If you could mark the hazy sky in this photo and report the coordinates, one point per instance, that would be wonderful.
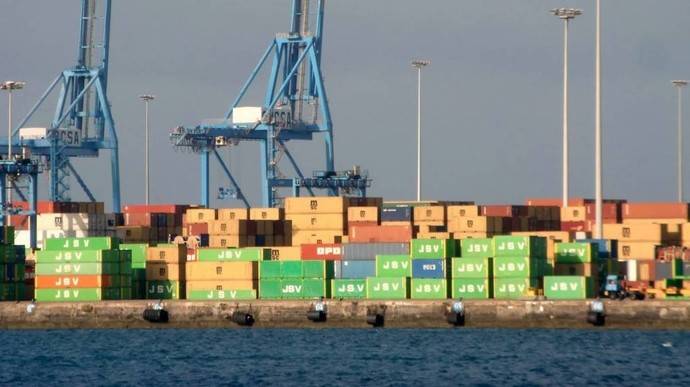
(492, 95)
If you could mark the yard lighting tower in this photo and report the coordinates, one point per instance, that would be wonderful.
(679, 84)
(147, 98)
(9, 86)
(419, 64)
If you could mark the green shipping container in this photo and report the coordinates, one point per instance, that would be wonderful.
(8, 291)
(269, 269)
(139, 290)
(513, 288)
(349, 288)
(519, 246)
(429, 289)
(387, 288)
(75, 256)
(472, 288)
(315, 288)
(291, 269)
(576, 252)
(317, 269)
(139, 251)
(8, 254)
(224, 255)
(82, 294)
(393, 266)
(84, 268)
(518, 267)
(164, 290)
(476, 248)
(472, 267)
(93, 243)
(270, 289)
(568, 287)
(433, 248)
(292, 289)
(239, 294)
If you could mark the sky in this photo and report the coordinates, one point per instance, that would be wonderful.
(492, 96)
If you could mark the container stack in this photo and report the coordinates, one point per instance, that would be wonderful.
(138, 252)
(12, 267)
(365, 225)
(165, 272)
(431, 267)
(317, 220)
(225, 274)
(295, 280)
(472, 272)
(577, 272)
(82, 269)
(151, 223)
(430, 220)
(518, 266)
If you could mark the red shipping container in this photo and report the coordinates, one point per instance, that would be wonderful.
(576, 226)
(355, 223)
(379, 234)
(327, 252)
(155, 208)
(504, 210)
(672, 252)
(655, 211)
(574, 202)
(608, 211)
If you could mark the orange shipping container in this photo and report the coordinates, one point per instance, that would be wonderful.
(176, 254)
(488, 224)
(380, 234)
(221, 285)
(636, 250)
(288, 253)
(319, 204)
(164, 271)
(230, 214)
(363, 214)
(200, 215)
(266, 214)
(430, 215)
(317, 221)
(472, 235)
(72, 281)
(454, 212)
(647, 232)
(316, 236)
(221, 241)
(574, 214)
(435, 235)
(655, 210)
(203, 271)
(230, 227)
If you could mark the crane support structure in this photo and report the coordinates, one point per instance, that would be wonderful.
(82, 124)
(295, 107)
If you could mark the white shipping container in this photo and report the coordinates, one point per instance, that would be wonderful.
(632, 270)
(71, 222)
(247, 114)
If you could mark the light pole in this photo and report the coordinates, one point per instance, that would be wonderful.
(9, 86)
(147, 98)
(679, 84)
(598, 169)
(566, 14)
(419, 64)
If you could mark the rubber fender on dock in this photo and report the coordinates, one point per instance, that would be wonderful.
(242, 318)
(316, 316)
(456, 319)
(156, 315)
(597, 319)
(376, 320)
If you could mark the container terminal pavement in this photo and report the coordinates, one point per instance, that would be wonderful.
(513, 265)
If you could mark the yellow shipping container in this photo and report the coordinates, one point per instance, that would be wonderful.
(472, 235)
(221, 241)
(200, 215)
(133, 233)
(157, 271)
(363, 214)
(455, 212)
(574, 214)
(222, 285)
(228, 214)
(203, 271)
(176, 254)
(317, 221)
(434, 235)
(636, 250)
(489, 224)
(229, 227)
(316, 205)
(266, 214)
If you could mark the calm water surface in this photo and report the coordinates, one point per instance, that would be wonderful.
(345, 357)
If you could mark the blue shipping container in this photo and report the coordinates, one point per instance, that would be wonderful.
(428, 268)
(396, 214)
(354, 269)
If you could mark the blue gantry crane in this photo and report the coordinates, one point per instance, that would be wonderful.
(295, 107)
(82, 124)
